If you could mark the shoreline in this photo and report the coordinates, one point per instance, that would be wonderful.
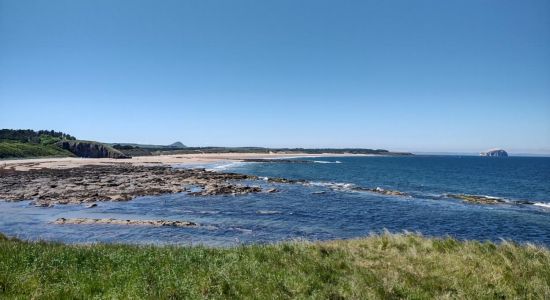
(115, 182)
(163, 160)
(52, 181)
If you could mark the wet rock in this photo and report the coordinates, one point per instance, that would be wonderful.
(155, 223)
(381, 191)
(120, 197)
(285, 180)
(118, 182)
(476, 199)
(388, 192)
(524, 202)
(91, 205)
(226, 189)
(272, 190)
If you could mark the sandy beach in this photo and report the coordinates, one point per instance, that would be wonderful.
(51, 181)
(72, 162)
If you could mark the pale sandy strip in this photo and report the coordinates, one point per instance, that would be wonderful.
(71, 162)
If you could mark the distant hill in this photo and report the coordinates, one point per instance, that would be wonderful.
(177, 145)
(194, 150)
(133, 149)
(29, 143)
(126, 146)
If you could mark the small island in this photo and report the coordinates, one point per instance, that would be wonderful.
(494, 153)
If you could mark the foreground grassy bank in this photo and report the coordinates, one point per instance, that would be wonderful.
(385, 266)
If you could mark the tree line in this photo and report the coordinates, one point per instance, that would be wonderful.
(32, 136)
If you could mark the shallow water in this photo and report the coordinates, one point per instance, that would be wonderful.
(328, 208)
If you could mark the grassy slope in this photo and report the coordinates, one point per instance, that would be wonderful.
(387, 266)
(12, 149)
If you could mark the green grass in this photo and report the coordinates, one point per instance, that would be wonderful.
(13, 149)
(384, 266)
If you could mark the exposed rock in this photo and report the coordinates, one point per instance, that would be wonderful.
(155, 223)
(226, 189)
(272, 190)
(120, 182)
(91, 149)
(495, 152)
(285, 180)
(524, 202)
(91, 205)
(381, 191)
(476, 199)
(388, 192)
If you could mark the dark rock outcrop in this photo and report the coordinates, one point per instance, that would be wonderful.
(285, 180)
(91, 149)
(155, 223)
(117, 182)
(380, 191)
(477, 199)
(226, 189)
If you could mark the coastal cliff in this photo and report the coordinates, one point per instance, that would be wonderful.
(91, 149)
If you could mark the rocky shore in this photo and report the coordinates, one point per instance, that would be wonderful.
(155, 223)
(118, 182)
(124, 181)
(381, 191)
(477, 199)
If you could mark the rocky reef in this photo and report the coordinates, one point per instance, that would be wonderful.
(381, 191)
(226, 189)
(476, 199)
(155, 223)
(90, 149)
(115, 182)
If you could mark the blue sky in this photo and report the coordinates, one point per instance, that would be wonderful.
(403, 75)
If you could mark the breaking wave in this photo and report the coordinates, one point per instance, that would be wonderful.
(227, 165)
(268, 212)
(327, 162)
(491, 200)
(542, 204)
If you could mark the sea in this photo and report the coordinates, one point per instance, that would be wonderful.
(333, 201)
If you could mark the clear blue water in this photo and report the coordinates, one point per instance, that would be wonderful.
(328, 207)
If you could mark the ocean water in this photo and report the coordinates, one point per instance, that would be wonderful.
(328, 206)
